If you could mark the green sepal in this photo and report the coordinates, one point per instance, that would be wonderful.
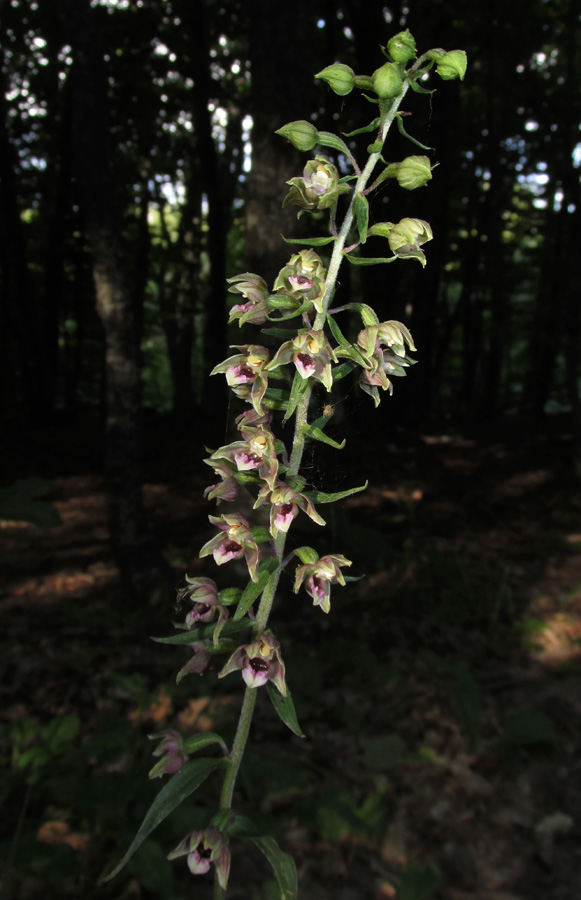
(327, 139)
(204, 633)
(368, 260)
(297, 391)
(309, 242)
(403, 132)
(246, 478)
(253, 589)
(284, 708)
(390, 171)
(282, 864)
(366, 128)
(361, 210)
(198, 741)
(282, 301)
(321, 497)
(307, 555)
(315, 434)
(180, 786)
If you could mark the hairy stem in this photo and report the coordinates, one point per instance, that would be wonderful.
(301, 419)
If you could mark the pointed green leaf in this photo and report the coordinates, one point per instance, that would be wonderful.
(193, 744)
(366, 128)
(284, 708)
(283, 866)
(341, 371)
(180, 786)
(304, 307)
(326, 139)
(367, 260)
(309, 242)
(315, 434)
(205, 633)
(284, 333)
(420, 90)
(321, 497)
(361, 209)
(298, 389)
(352, 349)
(253, 589)
(404, 132)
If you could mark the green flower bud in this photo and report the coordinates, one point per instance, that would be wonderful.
(340, 78)
(452, 65)
(301, 134)
(387, 81)
(402, 47)
(413, 172)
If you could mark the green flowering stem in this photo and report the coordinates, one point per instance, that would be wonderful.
(389, 112)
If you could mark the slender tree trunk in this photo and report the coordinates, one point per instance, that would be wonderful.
(145, 574)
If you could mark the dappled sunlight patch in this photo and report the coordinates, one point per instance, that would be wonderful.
(158, 711)
(58, 831)
(522, 482)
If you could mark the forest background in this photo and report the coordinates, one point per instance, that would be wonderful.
(139, 169)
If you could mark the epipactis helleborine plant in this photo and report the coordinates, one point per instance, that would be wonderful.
(276, 385)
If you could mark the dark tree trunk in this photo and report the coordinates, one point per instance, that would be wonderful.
(144, 572)
(281, 60)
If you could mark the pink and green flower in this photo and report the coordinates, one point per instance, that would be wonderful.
(259, 662)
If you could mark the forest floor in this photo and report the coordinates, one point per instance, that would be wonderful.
(441, 698)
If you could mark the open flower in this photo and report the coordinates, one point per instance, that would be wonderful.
(311, 353)
(259, 662)
(172, 751)
(245, 373)
(284, 507)
(384, 347)
(255, 453)
(234, 542)
(319, 576)
(204, 849)
(318, 188)
(255, 291)
(303, 278)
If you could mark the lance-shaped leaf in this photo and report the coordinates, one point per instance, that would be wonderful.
(198, 741)
(204, 634)
(266, 570)
(282, 864)
(285, 709)
(341, 371)
(402, 130)
(366, 128)
(180, 786)
(361, 209)
(315, 434)
(309, 242)
(322, 497)
(297, 391)
(346, 347)
(367, 260)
